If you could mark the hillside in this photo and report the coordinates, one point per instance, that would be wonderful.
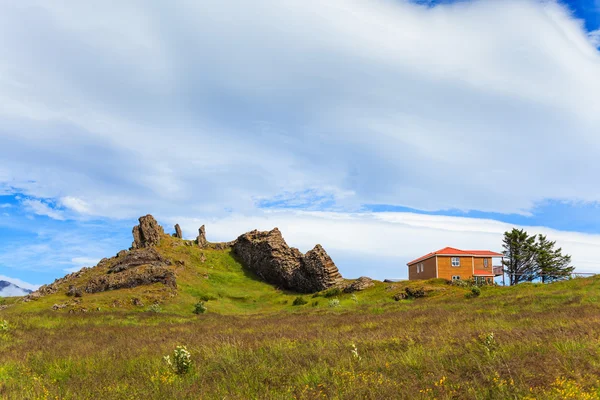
(407, 340)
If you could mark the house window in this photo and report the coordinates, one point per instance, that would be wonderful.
(456, 277)
(456, 261)
(485, 263)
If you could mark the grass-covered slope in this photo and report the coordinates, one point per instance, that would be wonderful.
(531, 341)
(215, 277)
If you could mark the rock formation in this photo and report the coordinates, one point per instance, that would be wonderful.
(135, 258)
(268, 256)
(178, 233)
(361, 283)
(142, 275)
(201, 239)
(147, 233)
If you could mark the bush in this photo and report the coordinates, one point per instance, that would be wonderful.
(315, 303)
(475, 291)
(4, 326)
(206, 297)
(299, 301)
(334, 303)
(155, 308)
(200, 308)
(181, 361)
(333, 292)
(414, 293)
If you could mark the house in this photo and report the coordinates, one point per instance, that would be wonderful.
(453, 264)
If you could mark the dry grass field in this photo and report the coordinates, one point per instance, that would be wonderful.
(532, 341)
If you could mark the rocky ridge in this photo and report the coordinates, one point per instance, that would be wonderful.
(265, 253)
(269, 256)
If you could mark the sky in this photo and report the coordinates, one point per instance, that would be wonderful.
(382, 130)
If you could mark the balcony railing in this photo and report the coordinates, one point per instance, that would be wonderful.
(497, 270)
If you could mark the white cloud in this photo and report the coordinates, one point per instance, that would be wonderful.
(75, 204)
(203, 108)
(382, 243)
(6, 205)
(40, 208)
(595, 37)
(80, 262)
(12, 291)
(19, 283)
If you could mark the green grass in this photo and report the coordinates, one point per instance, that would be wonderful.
(254, 343)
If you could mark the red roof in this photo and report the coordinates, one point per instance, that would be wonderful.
(479, 272)
(451, 251)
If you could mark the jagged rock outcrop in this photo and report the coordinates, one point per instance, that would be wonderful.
(361, 283)
(134, 258)
(142, 275)
(268, 255)
(201, 239)
(147, 233)
(178, 233)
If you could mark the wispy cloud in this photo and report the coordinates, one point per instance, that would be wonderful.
(595, 37)
(40, 208)
(387, 101)
(18, 282)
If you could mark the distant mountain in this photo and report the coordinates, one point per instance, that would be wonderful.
(8, 289)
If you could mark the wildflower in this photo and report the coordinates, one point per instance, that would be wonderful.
(355, 353)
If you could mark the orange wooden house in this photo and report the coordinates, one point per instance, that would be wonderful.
(453, 264)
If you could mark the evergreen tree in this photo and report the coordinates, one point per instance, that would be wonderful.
(519, 256)
(551, 264)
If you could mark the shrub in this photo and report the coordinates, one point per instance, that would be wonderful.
(299, 301)
(414, 293)
(475, 291)
(334, 303)
(354, 298)
(155, 308)
(200, 308)
(333, 292)
(460, 283)
(181, 361)
(206, 297)
(4, 326)
(315, 303)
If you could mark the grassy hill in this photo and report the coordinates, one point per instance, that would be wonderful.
(531, 341)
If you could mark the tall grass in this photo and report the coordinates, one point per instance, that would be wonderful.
(539, 342)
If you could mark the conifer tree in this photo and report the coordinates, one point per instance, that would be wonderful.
(519, 256)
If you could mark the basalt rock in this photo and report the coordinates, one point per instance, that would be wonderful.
(143, 275)
(178, 233)
(201, 239)
(268, 256)
(135, 258)
(148, 233)
(361, 283)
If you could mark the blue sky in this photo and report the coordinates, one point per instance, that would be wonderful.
(382, 130)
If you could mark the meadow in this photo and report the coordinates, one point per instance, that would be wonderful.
(531, 341)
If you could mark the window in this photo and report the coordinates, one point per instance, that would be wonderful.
(485, 263)
(456, 261)
(456, 277)
(419, 268)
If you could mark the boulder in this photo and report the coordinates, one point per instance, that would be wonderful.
(178, 233)
(135, 258)
(148, 233)
(143, 275)
(201, 239)
(268, 256)
(361, 283)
